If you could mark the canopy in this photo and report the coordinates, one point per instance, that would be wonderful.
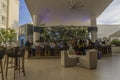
(66, 12)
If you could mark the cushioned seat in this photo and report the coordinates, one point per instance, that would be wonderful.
(68, 60)
(89, 60)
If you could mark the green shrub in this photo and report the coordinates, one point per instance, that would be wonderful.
(116, 42)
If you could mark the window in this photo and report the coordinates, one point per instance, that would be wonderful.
(3, 19)
(4, 7)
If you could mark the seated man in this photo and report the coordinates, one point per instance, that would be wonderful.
(33, 49)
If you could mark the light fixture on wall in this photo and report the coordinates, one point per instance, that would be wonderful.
(75, 4)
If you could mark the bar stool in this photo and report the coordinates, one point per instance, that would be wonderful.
(2, 52)
(21, 56)
(47, 51)
(16, 53)
(37, 50)
(56, 51)
(42, 51)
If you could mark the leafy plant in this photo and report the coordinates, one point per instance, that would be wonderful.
(7, 35)
(63, 33)
(116, 42)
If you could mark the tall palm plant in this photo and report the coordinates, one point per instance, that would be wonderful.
(3, 34)
(11, 35)
(7, 35)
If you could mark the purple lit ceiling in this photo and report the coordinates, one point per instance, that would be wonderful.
(66, 12)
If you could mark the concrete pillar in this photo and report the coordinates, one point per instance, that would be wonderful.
(36, 35)
(93, 24)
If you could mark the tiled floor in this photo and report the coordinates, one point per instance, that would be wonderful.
(50, 69)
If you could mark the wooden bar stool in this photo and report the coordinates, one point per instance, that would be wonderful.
(16, 53)
(21, 60)
(2, 52)
(47, 50)
(37, 50)
(41, 51)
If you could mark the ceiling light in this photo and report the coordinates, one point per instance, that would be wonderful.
(75, 4)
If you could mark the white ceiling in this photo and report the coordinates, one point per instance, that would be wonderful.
(58, 12)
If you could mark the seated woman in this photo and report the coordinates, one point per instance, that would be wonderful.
(65, 46)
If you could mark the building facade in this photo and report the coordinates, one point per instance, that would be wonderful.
(9, 13)
(107, 30)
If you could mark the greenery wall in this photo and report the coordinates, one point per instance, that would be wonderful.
(63, 33)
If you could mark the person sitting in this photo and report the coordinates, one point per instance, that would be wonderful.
(97, 43)
(65, 46)
(33, 49)
(91, 44)
(27, 44)
(108, 43)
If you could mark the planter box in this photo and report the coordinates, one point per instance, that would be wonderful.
(115, 49)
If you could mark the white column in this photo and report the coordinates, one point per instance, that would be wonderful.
(36, 35)
(93, 24)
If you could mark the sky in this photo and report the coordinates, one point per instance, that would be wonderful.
(110, 16)
(24, 15)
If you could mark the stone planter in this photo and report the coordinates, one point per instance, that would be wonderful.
(115, 49)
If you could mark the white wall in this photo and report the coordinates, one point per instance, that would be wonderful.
(3, 13)
(13, 13)
(115, 49)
